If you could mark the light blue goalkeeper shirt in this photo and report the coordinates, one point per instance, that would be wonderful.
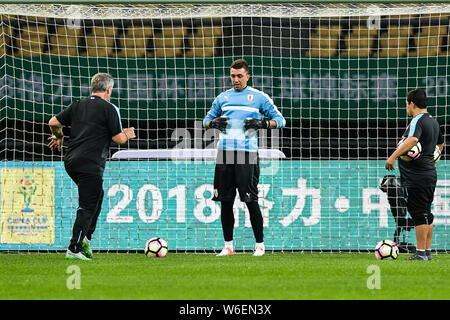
(237, 106)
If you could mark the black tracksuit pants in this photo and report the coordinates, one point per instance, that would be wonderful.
(90, 197)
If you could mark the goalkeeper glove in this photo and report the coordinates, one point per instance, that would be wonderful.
(257, 124)
(219, 123)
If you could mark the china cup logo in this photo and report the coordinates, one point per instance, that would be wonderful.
(27, 188)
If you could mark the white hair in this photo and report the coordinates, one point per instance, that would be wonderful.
(101, 82)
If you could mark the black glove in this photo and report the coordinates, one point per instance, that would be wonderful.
(219, 123)
(257, 124)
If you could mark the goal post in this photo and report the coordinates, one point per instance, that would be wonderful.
(338, 71)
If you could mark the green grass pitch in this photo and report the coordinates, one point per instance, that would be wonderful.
(275, 276)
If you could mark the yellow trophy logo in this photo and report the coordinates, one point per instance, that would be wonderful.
(27, 205)
(27, 188)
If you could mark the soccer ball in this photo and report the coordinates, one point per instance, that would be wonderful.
(437, 154)
(412, 154)
(156, 247)
(386, 249)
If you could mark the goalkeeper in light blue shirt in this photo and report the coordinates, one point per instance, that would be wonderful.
(238, 114)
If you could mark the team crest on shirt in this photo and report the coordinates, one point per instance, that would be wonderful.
(250, 97)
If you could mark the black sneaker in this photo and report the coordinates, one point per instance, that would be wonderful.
(417, 257)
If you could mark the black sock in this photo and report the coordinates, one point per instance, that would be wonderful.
(256, 220)
(227, 219)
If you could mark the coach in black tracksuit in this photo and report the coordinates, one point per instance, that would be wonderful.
(94, 122)
(419, 177)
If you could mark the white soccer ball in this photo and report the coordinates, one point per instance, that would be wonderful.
(437, 154)
(413, 153)
(156, 247)
(386, 249)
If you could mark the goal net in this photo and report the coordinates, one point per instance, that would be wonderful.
(339, 74)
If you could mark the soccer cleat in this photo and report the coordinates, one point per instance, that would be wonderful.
(259, 252)
(76, 256)
(86, 248)
(417, 257)
(225, 252)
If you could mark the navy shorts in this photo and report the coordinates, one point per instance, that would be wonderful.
(418, 202)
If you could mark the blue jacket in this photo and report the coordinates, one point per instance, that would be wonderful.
(237, 106)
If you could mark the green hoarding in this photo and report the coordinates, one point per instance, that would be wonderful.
(34, 88)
